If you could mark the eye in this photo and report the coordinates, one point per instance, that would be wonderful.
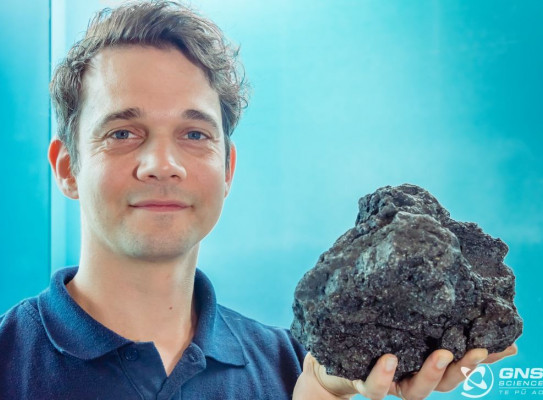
(121, 134)
(195, 135)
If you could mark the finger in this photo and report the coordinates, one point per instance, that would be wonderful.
(493, 357)
(454, 375)
(427, 379)
(380, 378)
(339, 387)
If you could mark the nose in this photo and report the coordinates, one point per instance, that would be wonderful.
(158, 161)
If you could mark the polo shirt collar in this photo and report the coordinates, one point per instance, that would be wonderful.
(72, 331)
(213, 335)
(69, 328)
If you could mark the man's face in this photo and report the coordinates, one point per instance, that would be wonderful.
(152, 176)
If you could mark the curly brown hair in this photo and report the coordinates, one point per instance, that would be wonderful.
(159, 24)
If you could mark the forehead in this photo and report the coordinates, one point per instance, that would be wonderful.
(157, 80)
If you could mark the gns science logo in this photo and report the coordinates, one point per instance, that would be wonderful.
(478, 381)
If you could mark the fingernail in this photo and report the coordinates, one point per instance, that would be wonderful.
(512, 350)
(391, 363)
(442, 362)
(478, 361)
(481, 358)
(359, 385)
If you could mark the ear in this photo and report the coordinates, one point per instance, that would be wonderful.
(229, 175)
(60, 164)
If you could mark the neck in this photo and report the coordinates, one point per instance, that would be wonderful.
(141, 301)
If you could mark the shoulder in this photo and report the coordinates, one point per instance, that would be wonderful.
(272, 354)
(21, 328)
(239, 322)
(22, 338)
(262, 339)
(20, 318)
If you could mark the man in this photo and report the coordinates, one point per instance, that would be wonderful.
(146, 104)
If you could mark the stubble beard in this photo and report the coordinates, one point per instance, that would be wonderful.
(163, 243)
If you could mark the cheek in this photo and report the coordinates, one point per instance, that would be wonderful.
(99, 185)
(211, 175)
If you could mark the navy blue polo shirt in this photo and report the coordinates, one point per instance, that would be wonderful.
(50, 348)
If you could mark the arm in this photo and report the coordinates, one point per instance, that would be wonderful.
(437, 373)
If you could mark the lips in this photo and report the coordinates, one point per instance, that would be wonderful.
(159, 205)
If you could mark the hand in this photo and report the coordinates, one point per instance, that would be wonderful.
(437, 373)
(434, 376)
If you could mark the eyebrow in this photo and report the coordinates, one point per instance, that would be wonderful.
(135, 112)
(200, 116)
(126, 114)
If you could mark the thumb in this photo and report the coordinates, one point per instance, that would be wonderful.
(339, 387)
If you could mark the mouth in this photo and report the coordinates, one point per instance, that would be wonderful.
(159, 205)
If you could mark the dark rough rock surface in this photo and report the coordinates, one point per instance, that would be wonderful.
(407, 279)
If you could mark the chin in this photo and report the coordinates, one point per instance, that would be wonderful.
(158, 249)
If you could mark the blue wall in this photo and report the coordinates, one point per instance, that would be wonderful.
(347, 97)
(24, 116)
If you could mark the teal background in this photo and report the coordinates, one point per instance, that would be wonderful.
(347, 96)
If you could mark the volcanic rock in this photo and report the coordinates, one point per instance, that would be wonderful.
(407, 280)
